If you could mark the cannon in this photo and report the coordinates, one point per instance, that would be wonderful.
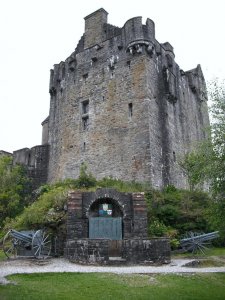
(194, 242)
(27, 243)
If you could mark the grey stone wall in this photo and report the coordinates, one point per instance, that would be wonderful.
(133, 251)
(5, 153)
(121, 104)
(94, 24)
(146, 251)
(86, 251)
(35, 161)
(45, 131)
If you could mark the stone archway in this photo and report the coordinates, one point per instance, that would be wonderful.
(105, 220)
(133, 245)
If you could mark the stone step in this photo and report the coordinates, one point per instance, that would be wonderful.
(117, 259)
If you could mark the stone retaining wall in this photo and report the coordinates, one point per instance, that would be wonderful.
(133, 251)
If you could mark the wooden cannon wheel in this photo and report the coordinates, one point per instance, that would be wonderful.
(10, 244)
(38, 243)
(41, 244)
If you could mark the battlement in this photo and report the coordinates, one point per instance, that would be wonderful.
(94, 28)
(97, 30)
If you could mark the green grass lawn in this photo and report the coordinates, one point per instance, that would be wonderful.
(97, 286)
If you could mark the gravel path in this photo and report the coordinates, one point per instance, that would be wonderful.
(62, 265)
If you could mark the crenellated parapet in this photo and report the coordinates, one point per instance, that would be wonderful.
(139, 37)
(133, 38)
(57, 79)
(197, 83)
(94, 28)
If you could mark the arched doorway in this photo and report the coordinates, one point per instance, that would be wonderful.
(105, 220)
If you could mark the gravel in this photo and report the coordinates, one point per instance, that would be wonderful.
(19, 266)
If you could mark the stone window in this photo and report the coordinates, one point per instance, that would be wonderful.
(85, 122)
(130, 110)
(174, 156)
(84, 147)
(85, 77)
(85, 107)
(84, 113)
(94, 59)
(63, 71)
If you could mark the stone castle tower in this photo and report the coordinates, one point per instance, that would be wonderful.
(122, 105)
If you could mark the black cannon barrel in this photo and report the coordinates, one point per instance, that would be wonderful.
(21, 236)
(202, 237)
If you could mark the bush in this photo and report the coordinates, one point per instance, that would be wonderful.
(174, 244)
(15, 189)
(122, 186)
(179, 209)
(157, 229)
(47, 210)
(85, 180)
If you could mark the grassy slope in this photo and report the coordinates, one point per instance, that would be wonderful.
(110, 286)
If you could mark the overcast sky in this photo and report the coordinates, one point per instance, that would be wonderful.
(36, 34)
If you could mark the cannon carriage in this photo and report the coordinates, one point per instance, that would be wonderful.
(27, 243)
(194, 242)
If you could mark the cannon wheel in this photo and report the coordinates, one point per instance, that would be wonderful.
(41, 244)
(10, 245)
(195, 244)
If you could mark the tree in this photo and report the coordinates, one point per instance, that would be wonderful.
(14, 189)
(207, 162)
(217, 94)
(217, 172)
(192, 165)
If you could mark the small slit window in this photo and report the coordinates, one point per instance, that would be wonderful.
(63, 72)
(94, 59)
(85, 77)
(85, 107)
(85, 122)
(174, 156)
(130, 110)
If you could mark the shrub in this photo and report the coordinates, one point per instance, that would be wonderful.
(157, 229)
(47, 210)
(85, 180)
(122, 186)
(15, 189)
(179, 209)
